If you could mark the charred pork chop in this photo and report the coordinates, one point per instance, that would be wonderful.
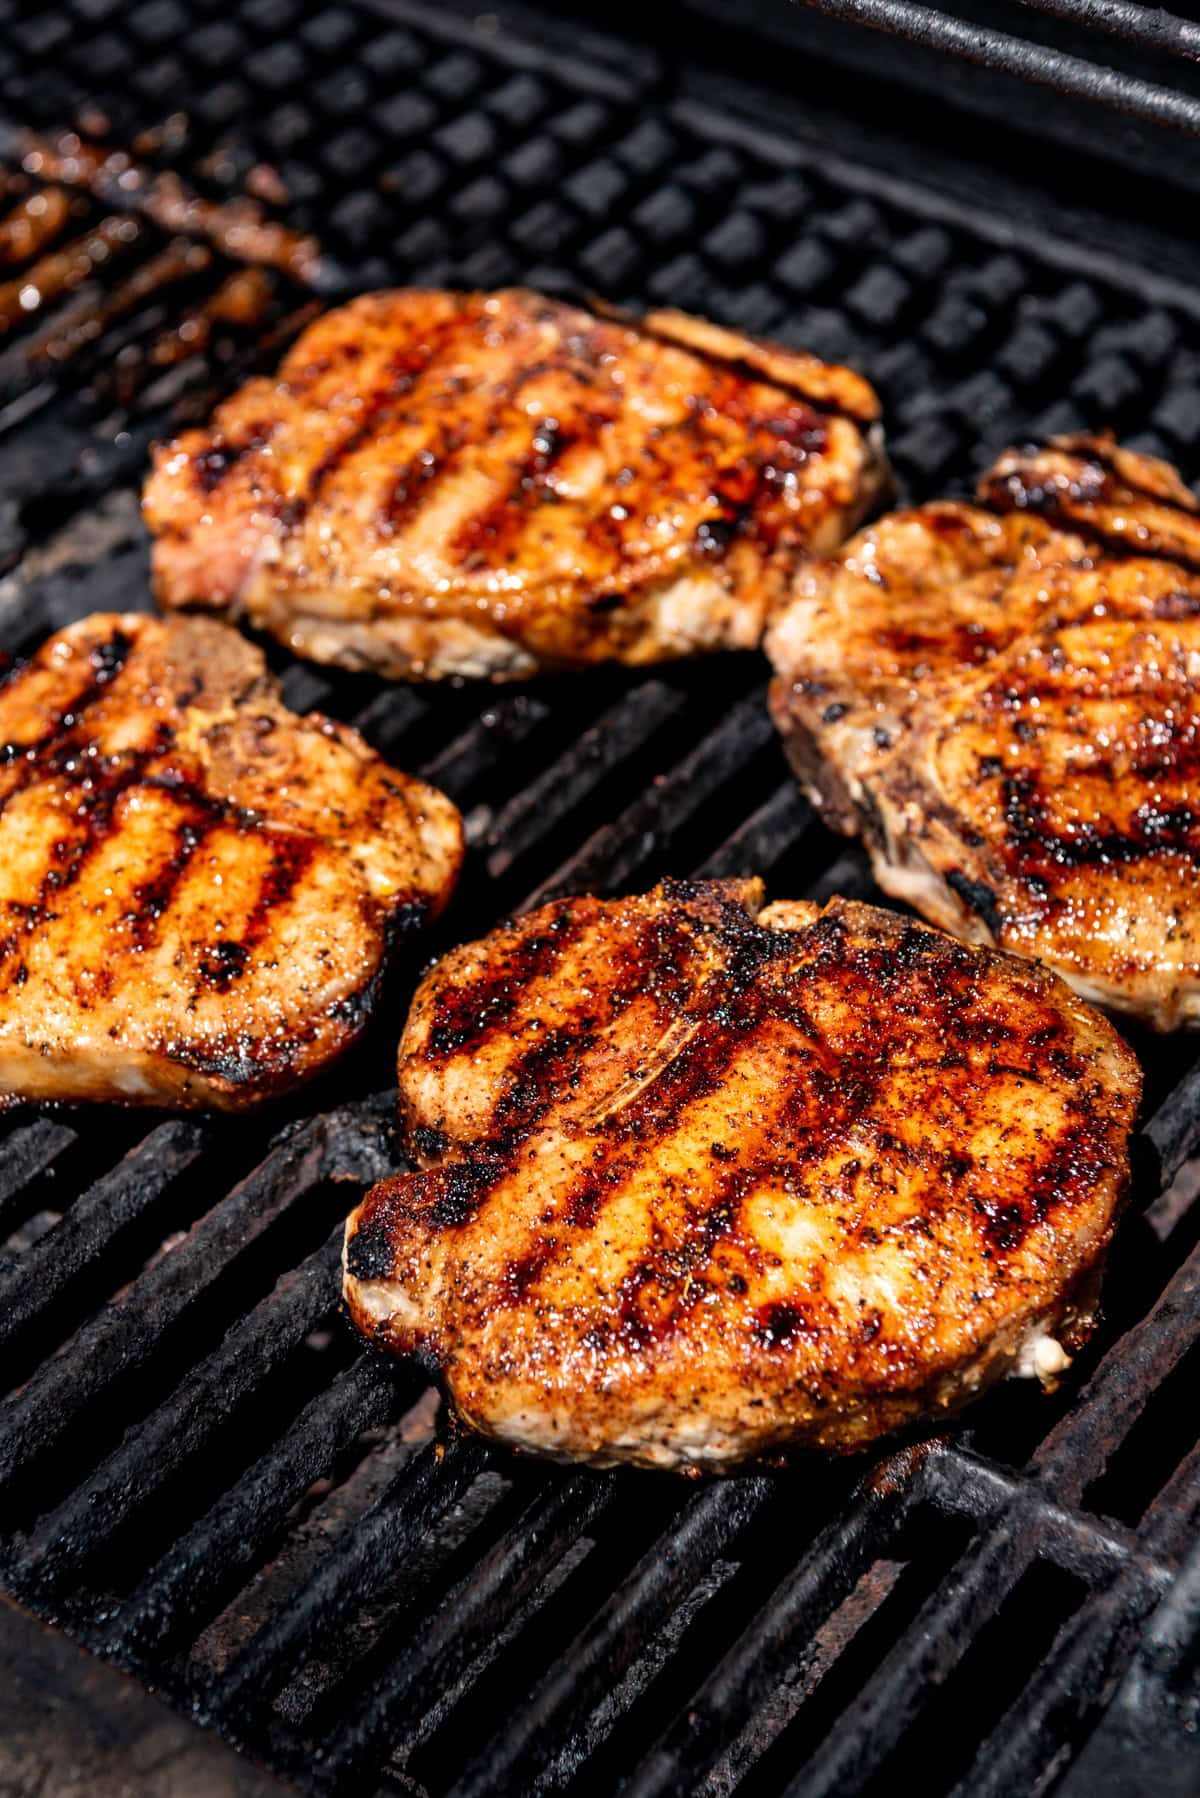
(469, 484)
(197, 887)
(1004, 699)
(704, 1181)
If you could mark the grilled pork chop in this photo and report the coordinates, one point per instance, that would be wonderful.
(470, 484)
(197, 887)
(1003, 698)
(704, 1180)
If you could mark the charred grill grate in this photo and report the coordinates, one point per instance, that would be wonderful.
(209, 1483)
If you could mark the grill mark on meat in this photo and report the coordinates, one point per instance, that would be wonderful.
(291, 856)
(467, 1018)
(406, 369)
(494, 534)
(413, 486)
(1119, 477)
(1064, 502)
(427, 471)
(151, 900)
(106, 660)
(745, 370)
(726, 1015)
(1038, 850)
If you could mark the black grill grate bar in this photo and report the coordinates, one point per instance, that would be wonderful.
(347, 1144)
(1061, 1693)
(471, 1616)
(925, 1655)
(422, 1492)
(1151, 28)
(543, 804)
(388, 718)
(1075, 1451)
(770, 832)
(848, 876)
(704, 1529)
(473, 754)
(28, 1155)
(1174, 1130)
(33, 1282)
(69, 1539)
(612, 855)
(1154, 1710)
(1009, 55)
(207, 1564)
(1094, 1548)
(819, 1581)
(1172, 1518)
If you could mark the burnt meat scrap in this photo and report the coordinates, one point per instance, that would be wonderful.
(703, 1181)
(1002, 698)
(469, 484)
(198, 888)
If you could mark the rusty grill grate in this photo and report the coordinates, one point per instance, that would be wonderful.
(200, 1475)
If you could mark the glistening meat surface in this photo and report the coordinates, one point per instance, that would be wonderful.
(1002, 698)
(705, 1181)
(446, 483)
(198, 889)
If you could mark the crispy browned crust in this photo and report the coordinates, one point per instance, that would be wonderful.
(446, 483)
(197, 887)
(1002, 697)
(704, 1181)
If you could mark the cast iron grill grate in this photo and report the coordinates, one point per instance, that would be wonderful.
(199, 1474)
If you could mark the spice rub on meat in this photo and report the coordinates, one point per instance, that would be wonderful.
(1003, 698)
(703, 1181)
(469, 484)
(198, 888)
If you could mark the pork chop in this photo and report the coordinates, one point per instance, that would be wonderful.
(1002, 698)
(198, 889)
(469, 484)
(704, 1181)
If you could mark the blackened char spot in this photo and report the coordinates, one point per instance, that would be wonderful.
(978, 897)
(714, 535)
(452, 1194)
(369, 1254)
(152, 898)
(780, 1325)
(222, 963)
(430, 1144)
(212, 465)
